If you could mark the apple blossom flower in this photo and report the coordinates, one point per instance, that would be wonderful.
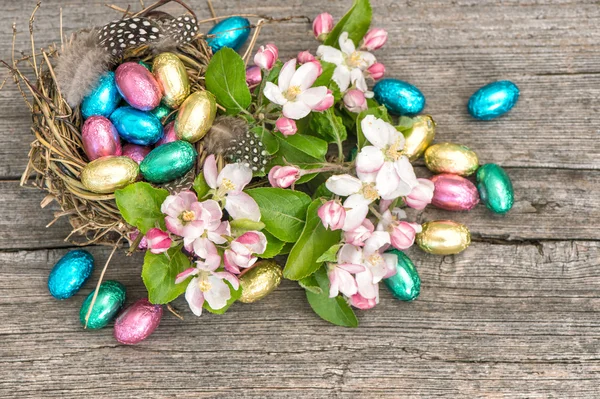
(383, 161)
(286, 126)
(305, 56)
(158, 241)
(332, 214)
(341, 279)
(360, 196)
(284, 176)
(360, 234)
(421, 195)
(294, 91)
(326, 103)
(208, 284)
(215, 230)
(253, 76)
(376, 71)
(228, 185)
(266, 56)
(350, 63)
(402, 234)
(322, 25)
(360, 302)
(355, 101)
(374, 39)
(242, 250)
(183, 215)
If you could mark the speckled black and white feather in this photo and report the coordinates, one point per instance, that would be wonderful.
(183, 29)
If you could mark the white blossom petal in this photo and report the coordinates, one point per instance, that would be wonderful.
(370, 159)
(242, 206)
(341, 76)
(286, 74)
(313, 96)
(343, 185)
(295, 110)
(273, 93)
(330, 54)
(305, 76)
(218, 294)
(387, 181)
(346, 45)
(194, 297)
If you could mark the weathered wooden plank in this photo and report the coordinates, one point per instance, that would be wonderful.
(522, 323)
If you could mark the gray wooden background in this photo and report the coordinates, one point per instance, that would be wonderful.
(517, 315)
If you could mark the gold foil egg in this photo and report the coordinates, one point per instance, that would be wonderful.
(420, 137)
(196, 116)
(170, 72)
(107, 174)
(444, 237)
(451, 158)
(260, 281)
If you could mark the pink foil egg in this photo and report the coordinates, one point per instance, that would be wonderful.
(100, 138)
(138, 86)
(137, 322)
(136, 152)
(454, 193)
(169, 134)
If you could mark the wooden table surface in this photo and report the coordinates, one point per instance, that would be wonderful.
(517, 315)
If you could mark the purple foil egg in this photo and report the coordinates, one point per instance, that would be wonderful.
(138, 86)
(169, 134)
(454, 193)
(136, 152)
(100, 138)
(137, 322)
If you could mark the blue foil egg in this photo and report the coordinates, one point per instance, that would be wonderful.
(103, 99)
(70, 273)
(137, 127)
(231, 32)
(493, 100)
(400, 98)
(405, 285)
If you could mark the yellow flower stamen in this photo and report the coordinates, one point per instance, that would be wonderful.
(188, 216)
(369, 192)
(394, 152)
(292, 92)
(354, 59)
(204, 284)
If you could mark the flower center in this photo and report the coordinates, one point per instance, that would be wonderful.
(292, 92)
(204, 284)
(354, 60)
(375, 259)
(228, 185)
(188, 216)
(369, 191)
(394, 152)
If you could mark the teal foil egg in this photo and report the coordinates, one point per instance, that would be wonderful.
(137, 127)
(103, 99)
(70, 273)
(161, 111)
(400, 98)
(231, 32)
(493, 100)
(495, 188)
(110, 299)
(405, 285)
(168, 162)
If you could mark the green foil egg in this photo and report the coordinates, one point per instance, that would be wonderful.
(168, 162)
(495, 188)
(161, 112)
(110, 299)
(405, 285)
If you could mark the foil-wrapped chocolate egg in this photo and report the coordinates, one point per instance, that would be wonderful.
(400, 98)
(419, 137)
(495, 188)
(161, 112)
(169, 134)
(260, 281)
(103, 99)
(168, 162)
(107, 174)
(100, 138)
(137, 322)
(138, 86)
(110, 299)
(405, 285)
(173, 78)
(196, 116)
(493, 100)
(231, 32)
(443, 237)
(451, 158)
(136, 152)
(137, 127)
(70, 273)
(454, 193)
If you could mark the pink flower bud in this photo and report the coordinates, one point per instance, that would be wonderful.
(355, 101)
(375, 39)
(360, 302)
(421, 195)
(325, 103)
(286, 126)
(158, 241)
(359, 235)
(403, 235)
(376, 71)
(283, 176)
(318, 65)
(305, 56)
(332, 214)
(322, 25)
(266, 56)
(253, 76)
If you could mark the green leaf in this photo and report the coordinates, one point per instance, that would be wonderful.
(226, 79)
(328, 126)
(139, 204)
(322, 191)
(405, 123)
(378, 112)
(287, 248)
(274, 73)
(271, 143)
(310, 284)
(274, 246)
(334, 310)
(282, 211)
(331, 254)
(235, 295)
(314, 241)
(159, 273)
(200, 186)
(303, 150)
(326, 75)
(356, 22)
(246, 225)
